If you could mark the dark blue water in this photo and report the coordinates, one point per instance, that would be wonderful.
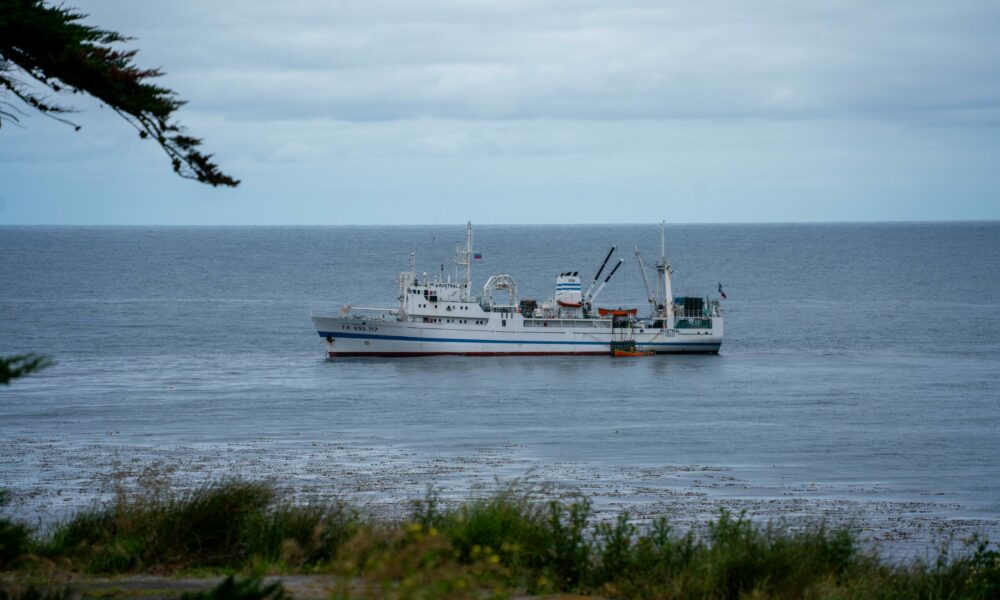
(859, 376)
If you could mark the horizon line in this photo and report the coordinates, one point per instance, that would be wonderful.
(461, 223)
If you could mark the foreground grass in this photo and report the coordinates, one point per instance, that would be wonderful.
(511, 542)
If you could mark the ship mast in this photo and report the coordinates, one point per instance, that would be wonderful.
(663, 271)
(468, 260)
(463, 258)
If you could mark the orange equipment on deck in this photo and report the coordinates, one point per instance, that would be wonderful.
(617, 312)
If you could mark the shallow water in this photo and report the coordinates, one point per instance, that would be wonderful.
(858, 381)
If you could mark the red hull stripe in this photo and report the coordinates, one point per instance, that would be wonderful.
(712, 346)
(416, 354)
(410, 354)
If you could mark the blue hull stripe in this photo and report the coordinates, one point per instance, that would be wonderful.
(407, 338)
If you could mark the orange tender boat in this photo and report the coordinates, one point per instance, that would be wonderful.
(617, 312)
(622, 353)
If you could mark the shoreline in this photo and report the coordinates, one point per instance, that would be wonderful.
(516, 541)
(50, 479)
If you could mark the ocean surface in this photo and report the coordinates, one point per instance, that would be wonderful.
(859, 380)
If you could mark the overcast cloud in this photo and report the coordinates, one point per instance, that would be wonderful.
(514, 111)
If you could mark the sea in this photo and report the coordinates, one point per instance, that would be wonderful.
(858, 383)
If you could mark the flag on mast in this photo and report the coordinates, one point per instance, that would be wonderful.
(721, 293)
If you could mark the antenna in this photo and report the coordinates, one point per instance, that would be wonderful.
(663, 242)
(468, 260)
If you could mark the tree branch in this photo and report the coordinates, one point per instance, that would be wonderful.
(52, 46)
(12, 367)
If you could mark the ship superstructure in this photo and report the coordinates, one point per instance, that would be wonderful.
(440, 316)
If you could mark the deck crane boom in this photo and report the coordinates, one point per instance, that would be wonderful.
(645, 280)
(599, 271)
(600, 288)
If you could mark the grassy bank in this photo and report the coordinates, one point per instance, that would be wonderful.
(512, 542)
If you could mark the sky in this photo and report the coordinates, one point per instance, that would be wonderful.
(515, 111)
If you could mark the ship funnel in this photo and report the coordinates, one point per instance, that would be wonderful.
(569, 290)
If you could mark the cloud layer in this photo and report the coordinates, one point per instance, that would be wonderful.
(580, 60)
(820, 98)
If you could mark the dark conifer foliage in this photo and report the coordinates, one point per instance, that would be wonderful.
(51, 45)
(12, 367)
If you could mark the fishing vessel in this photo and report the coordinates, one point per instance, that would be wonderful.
(440, 316)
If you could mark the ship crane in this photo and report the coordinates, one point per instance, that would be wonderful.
(662, 300)
(645, 281)
(599, 271)
(590, 298)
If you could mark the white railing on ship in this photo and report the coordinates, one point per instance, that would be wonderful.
(346, 312)
(692, 314)
(567, 323)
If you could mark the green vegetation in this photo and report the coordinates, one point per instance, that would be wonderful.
(14, 539)
(513, 542)
(33, 593)
(229, 525)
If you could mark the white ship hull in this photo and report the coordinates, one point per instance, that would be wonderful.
(352, 336)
